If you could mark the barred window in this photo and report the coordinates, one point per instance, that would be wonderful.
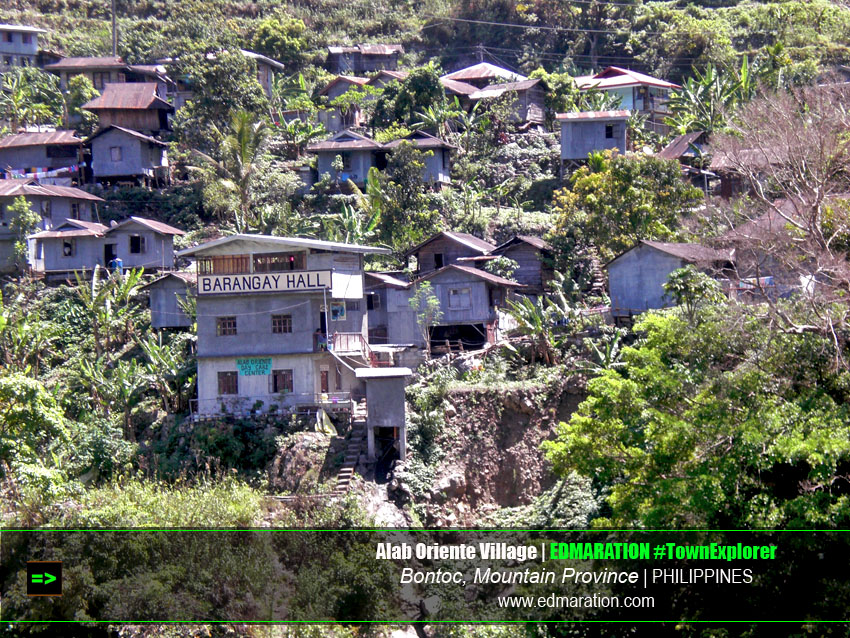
(225, 326)
(281, 324)
(352, 306)
(223, 265)
(228, 383)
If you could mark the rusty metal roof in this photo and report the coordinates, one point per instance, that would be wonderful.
(152, 224)
(130, 132)
(469, 270)
(394, 75)
(129, 95)
(495, 90)
(536, 242)
(470, 241)
(52, 138)
(349, 79)
(29, 187)
(189, 278)
(74, 228)
(86, 63)
(680, 146)
(420, 139)
(617, 77)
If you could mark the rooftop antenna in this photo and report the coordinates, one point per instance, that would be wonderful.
(114, 33)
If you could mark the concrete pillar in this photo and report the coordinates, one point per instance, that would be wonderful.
(370, 442)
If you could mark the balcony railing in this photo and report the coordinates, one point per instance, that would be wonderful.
(353, 343)
(282, 402)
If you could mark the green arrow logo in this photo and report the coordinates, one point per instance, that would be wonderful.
(44, 579)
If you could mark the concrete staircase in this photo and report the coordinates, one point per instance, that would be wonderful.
(352, 452)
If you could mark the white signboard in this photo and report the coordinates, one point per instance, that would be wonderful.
(264, 282)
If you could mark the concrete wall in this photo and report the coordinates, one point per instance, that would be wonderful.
(361, 162)
(636, 278)
(306, 383)
(136, 155)
(578, 138)
(17, 50)
(166, 311)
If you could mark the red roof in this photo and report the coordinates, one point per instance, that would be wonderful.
(53, 138)
(617, 77)
(129, 95)
(594, 115)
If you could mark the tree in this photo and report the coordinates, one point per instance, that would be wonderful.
(723, 426)
(617, 200)
(297, 134)
(428, 312)
(419, 91)
(502, 266)
(692, 290)
(704, 101)
(282, 38)
(80, 91)
(231, 178)
(32, 422)
(224, 83)
(23, 221)
(29, 96)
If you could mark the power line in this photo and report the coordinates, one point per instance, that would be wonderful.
(540, 27)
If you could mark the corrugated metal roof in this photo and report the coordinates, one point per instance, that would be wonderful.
(344, 140)
(420, 139)
(368, 49)
(459, 88)
(108, 62)
(52, 138)
(154, 225)
(470, 241)
(130, 132)
(481, 274)
(73, 228)
(495, 90)
(21, 29)
(189, 278)
(536, 242)
(271, 241)
(680, 145)
(689, 252)
(393, 75)
(594, 115)
(388, 279)
(484, 71)
(615, 76)
(349, 79)
(264, 59)
(128, 95)
(28, 187)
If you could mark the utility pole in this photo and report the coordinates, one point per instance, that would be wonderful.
(114, 32)
(479, 50)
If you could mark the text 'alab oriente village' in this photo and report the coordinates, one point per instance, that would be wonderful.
(474, 263)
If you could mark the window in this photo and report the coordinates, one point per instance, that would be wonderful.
(346, 161)
(337, 311)
(281, 381)
(137, 244)
(228, 383)
(27, 38)
(609, 131)
(223, 265)
(281, 324)
(278, 262)
(7, 60)
(447, 161)
(438, 260)
(225, 326)
(46, 209)
(69, 247)
(99, 79)
(459, 298)
(352, 306)
(61, 151)
(373, 302)
(24, 61)
(75, 210)
(2, 215)
(8, 36)
(115, 153)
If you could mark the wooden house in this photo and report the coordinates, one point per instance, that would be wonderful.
(438, 164)
(472, 303)
(110, 70)
(358, 153)
(54, 204)
(590, 131)
(391, 319)
(266, 69)
(124, 155)
(446, 248)
(363, 58)
(18, 46)
(76, 245)
(165, 296)
(460, 90)
(533, 256)
(484, 74)
(638, 92)
(335, 118)
(54, 157)
(636, 278)
(131, 106)
(529, 105)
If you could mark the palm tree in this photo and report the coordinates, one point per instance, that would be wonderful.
(298, 134)
(438, 118)
(241, 151)
(705, 98)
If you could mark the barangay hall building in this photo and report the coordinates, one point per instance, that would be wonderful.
(282, 323)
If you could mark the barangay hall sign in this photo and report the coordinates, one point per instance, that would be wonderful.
(264, 282)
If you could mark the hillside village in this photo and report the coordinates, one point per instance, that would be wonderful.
(260, 276)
